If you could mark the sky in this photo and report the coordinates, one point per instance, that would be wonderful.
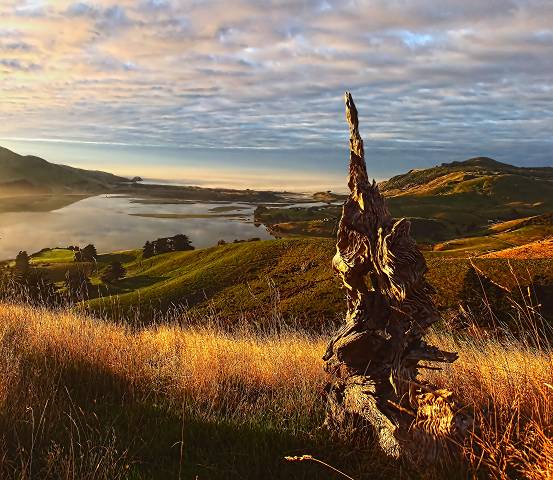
(250, 92)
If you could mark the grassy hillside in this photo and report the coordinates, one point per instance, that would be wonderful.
(500, 236)
(81, 398)
(85, 399)
(479, 174)
(466, 196)
(231, 280)
(28, 174)
(537, 249)
(445, 202)
(291, 278)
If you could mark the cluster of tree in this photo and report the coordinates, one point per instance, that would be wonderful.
(177, 243)
(25, 283)
(22, 265)
(30, 284)
(77, 284)
(114, 271)
(86, 254)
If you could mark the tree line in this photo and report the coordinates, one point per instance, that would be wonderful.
(24, 281)
(176, 243)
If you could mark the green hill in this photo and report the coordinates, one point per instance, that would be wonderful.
(28, 174)
(499, 236)
(465, 197)
(253, 280)
(479, 175)
(272, 279)
(444, 202)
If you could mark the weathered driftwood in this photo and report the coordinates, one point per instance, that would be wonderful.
(373, 360)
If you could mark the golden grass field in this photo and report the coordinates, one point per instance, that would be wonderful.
(82, 398)
(537, 249)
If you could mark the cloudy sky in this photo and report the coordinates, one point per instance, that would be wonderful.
(434, 81)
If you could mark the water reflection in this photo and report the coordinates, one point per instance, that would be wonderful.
(110, 222)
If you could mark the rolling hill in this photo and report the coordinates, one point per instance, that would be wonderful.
(28, 174)
(31, 176)
(446, 202)
(479, 175)
(259, 280)
(521, 232)
(466, 197)
(537, 249)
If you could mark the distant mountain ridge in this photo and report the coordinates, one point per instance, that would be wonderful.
(478, 175)
(29, 174)
(506, 184)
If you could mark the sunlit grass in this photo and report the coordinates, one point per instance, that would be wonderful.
(80, 398)
(508, 385)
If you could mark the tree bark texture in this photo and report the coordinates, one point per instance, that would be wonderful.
(373, 361)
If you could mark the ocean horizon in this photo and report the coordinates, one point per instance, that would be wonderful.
(295, 170)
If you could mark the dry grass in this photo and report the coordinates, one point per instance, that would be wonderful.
(196, 360)
(537, 249)
(268, 387)
(507, 384)
(66, 381)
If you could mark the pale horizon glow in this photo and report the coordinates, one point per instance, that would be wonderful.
(189, 171)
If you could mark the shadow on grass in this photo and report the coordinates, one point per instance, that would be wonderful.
(116, 257)
(123, 286)
(140, 281)
(82, 417)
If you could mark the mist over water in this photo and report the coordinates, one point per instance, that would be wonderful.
(107, 222)
(298, 170)
(290, 170)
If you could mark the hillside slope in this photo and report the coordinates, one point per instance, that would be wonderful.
(537, 249)
(28, 174)
(465, 197)
(235, 280)
(446, 202)
(271, 279)
(480, 175)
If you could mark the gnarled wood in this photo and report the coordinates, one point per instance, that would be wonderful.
(373, 360)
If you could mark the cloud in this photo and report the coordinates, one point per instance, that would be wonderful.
(108, 63)
(114, 16)
(9, 32)
(82, 9)
(427, 76)
(107, 18)
(14, 64)
(31, 8)
(157, 4)
(15, 45)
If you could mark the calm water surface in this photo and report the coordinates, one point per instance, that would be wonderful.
(109, 223)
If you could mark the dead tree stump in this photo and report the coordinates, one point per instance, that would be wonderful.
(373, 360)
